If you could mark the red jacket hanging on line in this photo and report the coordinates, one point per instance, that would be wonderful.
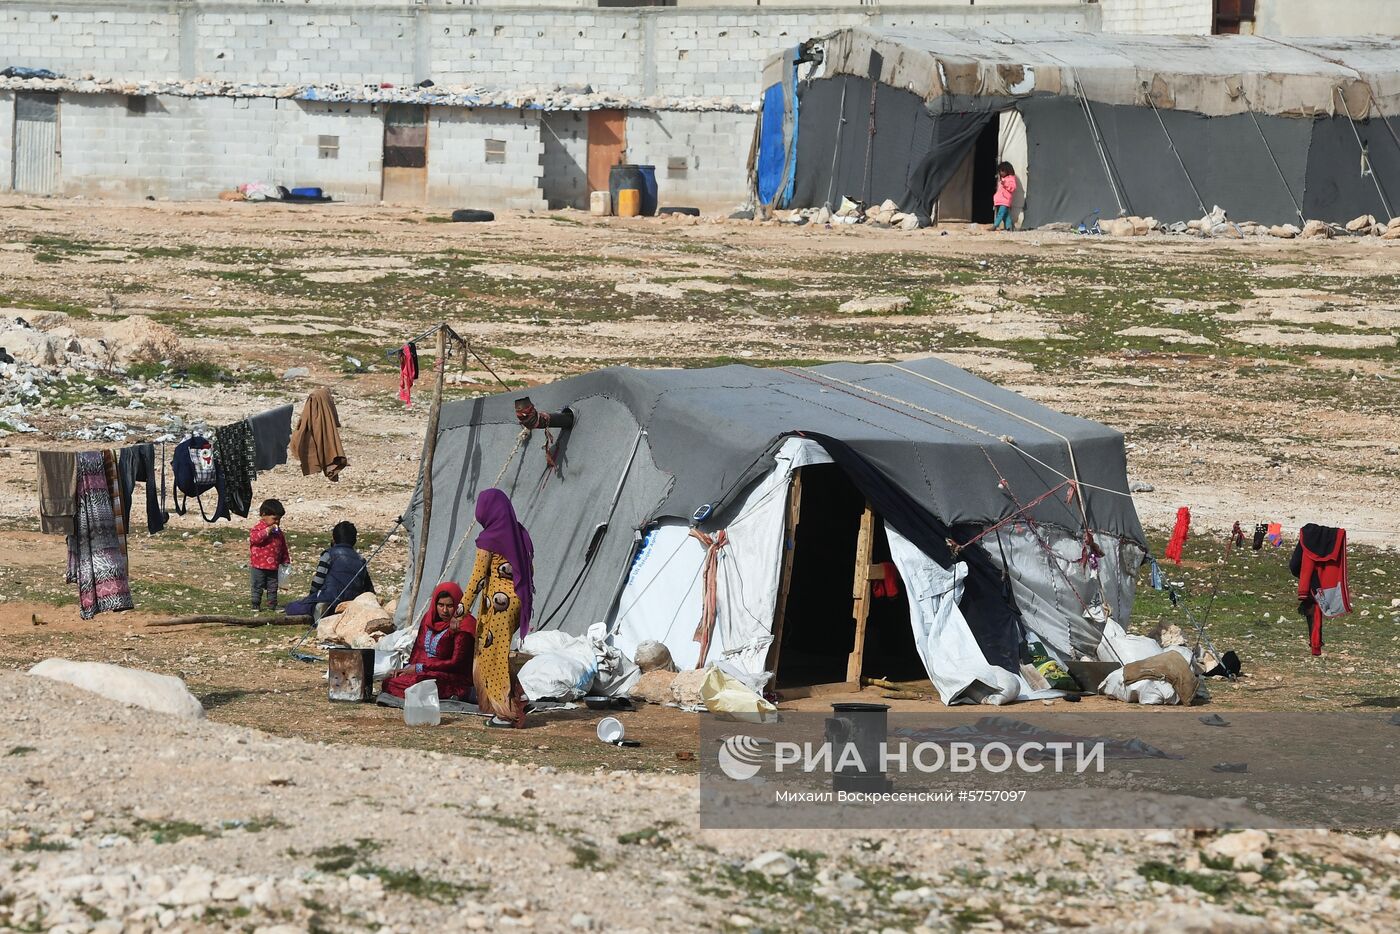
(1320, 563)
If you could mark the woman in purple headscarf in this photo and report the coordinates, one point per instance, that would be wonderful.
(504, 578)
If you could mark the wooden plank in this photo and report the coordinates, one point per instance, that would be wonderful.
(860, 592)
(797, 692)
(794, 511)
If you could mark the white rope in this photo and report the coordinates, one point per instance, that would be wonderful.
(1376, 179)
(1171, 143)
(1249, 109)
(413, 611)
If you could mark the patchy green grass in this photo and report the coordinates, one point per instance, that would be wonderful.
(20, 750)
(1213, 885)
(172, 831)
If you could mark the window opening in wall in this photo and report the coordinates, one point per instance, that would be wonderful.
(676, 167)
(328, 147)
(495, 150)
(135, 104)
(1233, 17)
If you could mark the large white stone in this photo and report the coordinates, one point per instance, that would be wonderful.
(161, 693)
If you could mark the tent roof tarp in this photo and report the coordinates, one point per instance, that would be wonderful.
(968, 450)
(1212, 75)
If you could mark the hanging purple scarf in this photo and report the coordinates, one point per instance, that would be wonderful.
(502, 534)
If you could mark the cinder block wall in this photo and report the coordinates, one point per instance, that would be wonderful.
(196, 147)
(1161, 17)
(460, 176)
(715, 147)
(668, 51)
(565, 165)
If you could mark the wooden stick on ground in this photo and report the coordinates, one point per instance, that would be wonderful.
(217, 620)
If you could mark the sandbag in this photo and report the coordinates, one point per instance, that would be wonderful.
(558, 676)
(731, 699)
(161, 693)
(653, 656)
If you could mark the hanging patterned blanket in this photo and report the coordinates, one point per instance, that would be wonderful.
(96, 559)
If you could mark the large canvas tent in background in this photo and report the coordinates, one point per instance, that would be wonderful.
(903, 460)
(1163, 126)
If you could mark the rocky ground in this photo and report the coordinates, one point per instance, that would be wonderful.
(118, 819)
(1253, 379)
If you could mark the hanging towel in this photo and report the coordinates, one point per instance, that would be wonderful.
(96, 560)
(316, 441)
(1259, 531)
(408, 372)
(114, 492)
(58, 485)
(272, 434)
(137, 464)
(236, 459)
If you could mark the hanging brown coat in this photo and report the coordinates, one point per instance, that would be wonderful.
(316, 442)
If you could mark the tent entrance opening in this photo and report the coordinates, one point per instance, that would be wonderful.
(828, 619)
(984, 172)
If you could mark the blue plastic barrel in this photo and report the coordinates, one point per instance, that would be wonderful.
(649, 192)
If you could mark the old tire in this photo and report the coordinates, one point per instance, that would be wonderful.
(688, 212)
(469, 216)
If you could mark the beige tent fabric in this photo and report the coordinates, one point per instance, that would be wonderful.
(1170, 667)
(1213, 75)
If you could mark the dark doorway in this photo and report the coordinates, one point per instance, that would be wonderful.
(890, 651)
(818, 626)
(405, 164)
(984, 172)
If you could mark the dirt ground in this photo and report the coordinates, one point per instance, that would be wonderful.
(1254, 381)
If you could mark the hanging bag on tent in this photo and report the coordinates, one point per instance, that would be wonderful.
(195, 473)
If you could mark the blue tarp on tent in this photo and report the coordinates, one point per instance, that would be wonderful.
(772, 153)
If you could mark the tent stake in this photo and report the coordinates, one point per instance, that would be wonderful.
(429, 449)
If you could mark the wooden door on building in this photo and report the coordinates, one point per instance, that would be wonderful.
(607, 145)
(405, 178)
(36, 144)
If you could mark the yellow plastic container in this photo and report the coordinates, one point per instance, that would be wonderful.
(629, 202)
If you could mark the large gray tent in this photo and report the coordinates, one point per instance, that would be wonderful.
(925, 454)
(1169, 126)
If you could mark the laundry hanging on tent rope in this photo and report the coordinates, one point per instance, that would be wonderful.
(408, 372)
(1178, 539)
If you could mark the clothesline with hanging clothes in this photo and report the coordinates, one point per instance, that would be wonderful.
(87, 496)
(407, 356)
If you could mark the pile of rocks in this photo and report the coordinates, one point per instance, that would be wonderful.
(42, 352)
(887, 215)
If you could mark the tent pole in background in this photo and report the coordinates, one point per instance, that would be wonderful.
(429, 449)
(1297, 208)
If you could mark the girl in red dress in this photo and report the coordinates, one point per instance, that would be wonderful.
(442, 651)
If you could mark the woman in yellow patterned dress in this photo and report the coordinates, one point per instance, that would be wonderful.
(503, 576)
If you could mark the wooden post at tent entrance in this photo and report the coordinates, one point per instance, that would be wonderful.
(794, 511)
(429, 449)
(860, 592)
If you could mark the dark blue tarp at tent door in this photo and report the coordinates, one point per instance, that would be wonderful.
(772, 153)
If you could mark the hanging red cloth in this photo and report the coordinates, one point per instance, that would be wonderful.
(1183, 523)
(887, 586)
(1320, 563)
(408, 372)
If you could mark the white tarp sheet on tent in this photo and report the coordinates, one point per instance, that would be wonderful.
(955, 662)
(664, 592)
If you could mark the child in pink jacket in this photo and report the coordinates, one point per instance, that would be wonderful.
(1006, 191)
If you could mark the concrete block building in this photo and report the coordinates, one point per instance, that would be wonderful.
(511, 104)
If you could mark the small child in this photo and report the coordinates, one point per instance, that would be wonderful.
(1006, 192)
(267, 550)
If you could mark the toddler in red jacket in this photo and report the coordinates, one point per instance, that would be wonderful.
(267, 551)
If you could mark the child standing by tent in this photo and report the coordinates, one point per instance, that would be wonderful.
(1006, 192)
(267, 551)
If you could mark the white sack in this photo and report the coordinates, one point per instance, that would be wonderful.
(558, 675)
